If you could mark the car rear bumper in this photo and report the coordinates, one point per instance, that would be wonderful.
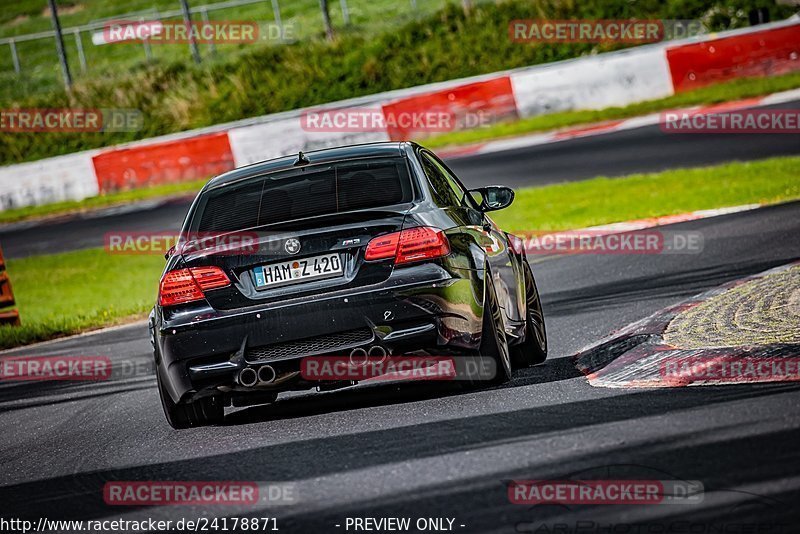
(419, 308)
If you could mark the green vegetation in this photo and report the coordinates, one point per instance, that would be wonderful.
(41, 74)
(67, 293)
(76, 291)
(606, 200)
(725, 92)
(111, 199)
(260, 79)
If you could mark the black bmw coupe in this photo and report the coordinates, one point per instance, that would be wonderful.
(371, 250)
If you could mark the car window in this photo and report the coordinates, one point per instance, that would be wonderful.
(298, 194)
(446, 192)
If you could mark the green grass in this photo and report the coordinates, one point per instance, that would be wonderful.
(606, 200)
(111, 199)
(725, 92)
(68, 293)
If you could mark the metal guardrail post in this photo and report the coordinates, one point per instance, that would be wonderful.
(204, 18)
(6, 297)
(79, 46)
(62, 54)
(187, 20)
(14, 56)
(276, 12)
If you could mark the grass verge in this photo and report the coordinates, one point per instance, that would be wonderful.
(715, 94)
(68, 293)
(605, 200)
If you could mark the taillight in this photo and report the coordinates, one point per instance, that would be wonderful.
(411, 244)
(209, 277)
(382, 247)
(187, 285)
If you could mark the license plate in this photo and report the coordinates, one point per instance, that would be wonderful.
(290, 272)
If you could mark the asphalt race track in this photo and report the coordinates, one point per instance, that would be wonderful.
(433, 450)
(643, 149)
(646, 149)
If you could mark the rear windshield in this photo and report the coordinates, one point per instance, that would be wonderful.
(304, 192)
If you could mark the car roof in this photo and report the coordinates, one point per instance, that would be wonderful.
(367, 150)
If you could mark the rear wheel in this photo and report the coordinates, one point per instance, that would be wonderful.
(534, 349)
(201, 412)
(494, 343)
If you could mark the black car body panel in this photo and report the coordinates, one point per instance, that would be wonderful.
(431, 307)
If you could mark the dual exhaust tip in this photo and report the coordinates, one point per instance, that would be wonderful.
(360, 357)
(249, 377)
(264, 375)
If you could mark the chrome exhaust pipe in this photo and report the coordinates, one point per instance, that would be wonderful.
(266, 374)
(248, 377)
(358, 357)
(376, 351)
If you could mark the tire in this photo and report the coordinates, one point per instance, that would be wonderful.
(533, 350)
(494, 343)
(202, 412)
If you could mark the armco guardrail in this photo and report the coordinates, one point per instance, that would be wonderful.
(6, 296)
(592, 82)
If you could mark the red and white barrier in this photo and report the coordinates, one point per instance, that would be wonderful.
(180, 160)
(492, 98)
(259, 142)
(46, 181)
(748, 54)
(592, 82)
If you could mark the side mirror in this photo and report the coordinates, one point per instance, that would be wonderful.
(493, 197)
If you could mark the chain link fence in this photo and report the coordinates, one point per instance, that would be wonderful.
(30, 61)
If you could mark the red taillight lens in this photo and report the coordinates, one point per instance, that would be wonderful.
(209, 277)
(412, 244)
(382, 247)
(421, 244)
(187, 285)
